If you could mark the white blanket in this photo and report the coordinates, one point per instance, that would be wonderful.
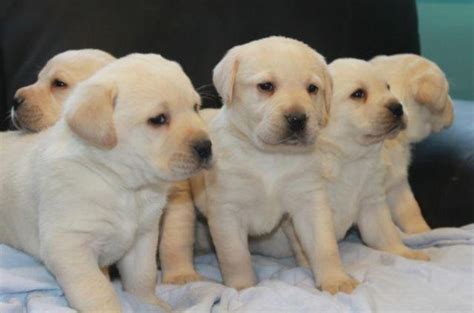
(388, 283)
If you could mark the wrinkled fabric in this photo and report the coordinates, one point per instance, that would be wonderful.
(388, 283)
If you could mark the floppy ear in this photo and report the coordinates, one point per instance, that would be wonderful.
(90, 115)
(327, 95)
(428, 89)
(448, 113)
(224, 75)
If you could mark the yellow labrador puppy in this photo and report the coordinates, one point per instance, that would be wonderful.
(277, 98)
(38, 106)
(178, 228)
(88, 191)
(363, 114)
(423, 89)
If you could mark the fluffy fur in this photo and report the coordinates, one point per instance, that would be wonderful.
(423, 89)
(263, 171)
(40, 104)
(88, 191)
(350, 154)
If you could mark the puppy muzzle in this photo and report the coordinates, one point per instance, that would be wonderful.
(17, 102)
(398, 118)
(296, 122)
(202, 150)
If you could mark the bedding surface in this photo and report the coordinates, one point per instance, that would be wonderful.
(388, 283)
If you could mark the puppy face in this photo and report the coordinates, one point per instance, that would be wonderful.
(39, 105)
(363, 105)
(277, 91)
(144, 110)
(423, 89)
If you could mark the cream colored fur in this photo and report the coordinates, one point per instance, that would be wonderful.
(349, 157)
(261, 176)
(350, 154)
(42, 102)
(423, 89)
(88, 191)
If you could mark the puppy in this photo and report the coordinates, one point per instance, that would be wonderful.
(363, 114)
(423, 90)
(178, 228)
(88, 191)
(277, 98)
(38, 106)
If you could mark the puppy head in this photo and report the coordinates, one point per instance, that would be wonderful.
(39, 105)
(277, 92)
(423, 89)
(363, 106)
(143, 109)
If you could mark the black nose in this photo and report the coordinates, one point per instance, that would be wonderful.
(203, 149)
(296, 121)
(17, 102)
(396, 108)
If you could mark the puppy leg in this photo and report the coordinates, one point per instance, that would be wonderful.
(379, 232)
(295, 244)
(177, 237)
(405, 210)
(231, 243)
(138, 269)
(77, 272)
(315, 229)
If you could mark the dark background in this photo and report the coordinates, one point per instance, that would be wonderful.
(198, 33)
(194, 33)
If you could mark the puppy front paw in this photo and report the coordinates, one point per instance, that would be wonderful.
(241, 283)
(182, 278)
(415, 255)
(340, 283)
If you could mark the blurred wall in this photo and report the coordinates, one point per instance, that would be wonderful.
(447, 37)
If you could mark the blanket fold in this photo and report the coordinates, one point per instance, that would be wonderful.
(388, 283)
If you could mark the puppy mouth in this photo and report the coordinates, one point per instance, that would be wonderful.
(18, 126)
(395, 128)
(191, 168)
(17, 123)
(390, 132)
(32, 118)
(295, 140)
(206, 164)
(291, 140)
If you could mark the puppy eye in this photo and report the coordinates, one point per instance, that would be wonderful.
(58, 83)
(158, 120)
(267, 86)
(312, 88)
(388, 86)
(196, 108)
(358, 94)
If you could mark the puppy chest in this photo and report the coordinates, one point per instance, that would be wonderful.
(396, 165)
(259, 186)
(115, 241)
(264, 217)
(137, 215)
(345, 193)
(260, 203)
